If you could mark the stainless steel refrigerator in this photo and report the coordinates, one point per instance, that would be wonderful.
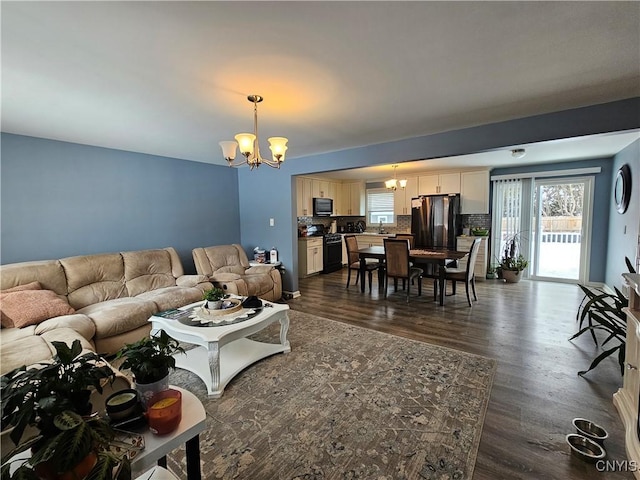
(435, 221)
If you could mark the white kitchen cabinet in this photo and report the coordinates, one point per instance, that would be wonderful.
(352, 201)
(320, 188)
(366, 241)
(402, 197)
(304, 195)
(439, 184)
(463, 244)
(474, 192)
(309, 256)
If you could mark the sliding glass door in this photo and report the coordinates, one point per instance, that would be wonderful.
(560, 227)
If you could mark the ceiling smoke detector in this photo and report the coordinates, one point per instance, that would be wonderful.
(518, 152)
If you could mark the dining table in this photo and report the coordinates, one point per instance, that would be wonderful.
(440, 258)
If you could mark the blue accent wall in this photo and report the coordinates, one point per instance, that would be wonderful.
(270, 193)
(62, 199)
(624, 228)
(601, 196)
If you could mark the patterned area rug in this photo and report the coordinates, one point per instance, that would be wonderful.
(346, 403)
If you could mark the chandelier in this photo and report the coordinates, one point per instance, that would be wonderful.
(393, 183)
(250, 145)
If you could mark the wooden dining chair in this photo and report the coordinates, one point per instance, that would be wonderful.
(396, 252)
(354, 261)
(465, 274)
(408, 236)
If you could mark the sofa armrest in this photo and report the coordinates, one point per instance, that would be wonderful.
(224, 277)
(191, 280)
(258, 269)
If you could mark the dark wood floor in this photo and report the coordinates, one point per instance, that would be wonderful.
(536, 391)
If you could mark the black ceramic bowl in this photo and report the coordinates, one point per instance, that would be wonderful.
(585, 449)
(122, 404)
(590, 430)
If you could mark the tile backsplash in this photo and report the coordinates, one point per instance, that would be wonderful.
(403, 226)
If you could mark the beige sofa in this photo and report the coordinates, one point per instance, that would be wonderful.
(109, 298)
(227, 267)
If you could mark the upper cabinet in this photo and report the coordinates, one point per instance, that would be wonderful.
(351, 199)
(474, 192)
(304, 195)
(402, 197)
(436, 184)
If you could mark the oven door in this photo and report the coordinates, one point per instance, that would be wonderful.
(332, 256)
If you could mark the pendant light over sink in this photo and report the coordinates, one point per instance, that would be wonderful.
(250, 144)
(394, 182)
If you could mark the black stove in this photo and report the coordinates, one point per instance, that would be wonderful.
(331, 252)
(332, 238)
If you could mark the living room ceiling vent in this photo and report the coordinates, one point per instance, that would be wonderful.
(250, 144)
(393, 183)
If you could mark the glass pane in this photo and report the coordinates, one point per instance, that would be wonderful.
(559, 238)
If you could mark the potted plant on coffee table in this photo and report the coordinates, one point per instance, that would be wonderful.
(512, 262)
(47, 408)
(150, 360)
(213, 298)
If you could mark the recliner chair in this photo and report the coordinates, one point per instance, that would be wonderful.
(227, 267)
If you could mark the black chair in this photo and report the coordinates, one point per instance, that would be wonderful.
(465, 274)
(354, 261)
(396, 252)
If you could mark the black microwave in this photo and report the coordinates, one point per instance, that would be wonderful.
(322, 207)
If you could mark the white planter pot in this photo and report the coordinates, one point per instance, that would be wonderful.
(148, 390)
(511, 276)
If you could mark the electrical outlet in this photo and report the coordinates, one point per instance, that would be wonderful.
(272, 222)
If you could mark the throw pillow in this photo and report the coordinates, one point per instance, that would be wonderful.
(22, 308)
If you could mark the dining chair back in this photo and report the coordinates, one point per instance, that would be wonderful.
(351, 243)
(398, 266)
(408, 236)
(465, 274)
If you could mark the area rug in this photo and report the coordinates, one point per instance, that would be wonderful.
(345, 403)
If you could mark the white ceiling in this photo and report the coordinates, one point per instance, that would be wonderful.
(171, 78)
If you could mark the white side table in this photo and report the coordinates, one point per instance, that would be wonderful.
(158, 446)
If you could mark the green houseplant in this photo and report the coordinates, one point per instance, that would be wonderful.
(213, 297)
(150, 360)
(601, 312)
(51, 399)
(512, 262)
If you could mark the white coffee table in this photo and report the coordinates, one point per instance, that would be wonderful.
(224, 351)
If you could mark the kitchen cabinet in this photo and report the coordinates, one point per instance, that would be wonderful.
(352, 201)
(366, 241)
(439, 184)
(320, 189)
(474, 192)
(402, 197)
(304, 195)
(309, 256)
(463, 244)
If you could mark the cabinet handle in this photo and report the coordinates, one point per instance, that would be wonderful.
(631, 367)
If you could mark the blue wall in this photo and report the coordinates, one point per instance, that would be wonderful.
(62, 199)
(624, 229)
(270, 193)
(601, 196)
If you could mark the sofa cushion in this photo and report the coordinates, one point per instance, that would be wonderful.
(29, 307)
(172, 297)
(18, 350)
(49, 273)
(258, 284)
(147, 270)
(19, 288)
(78, 322)
(94, 278)
(114, 317)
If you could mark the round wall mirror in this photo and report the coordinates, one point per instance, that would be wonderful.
(622, 188)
